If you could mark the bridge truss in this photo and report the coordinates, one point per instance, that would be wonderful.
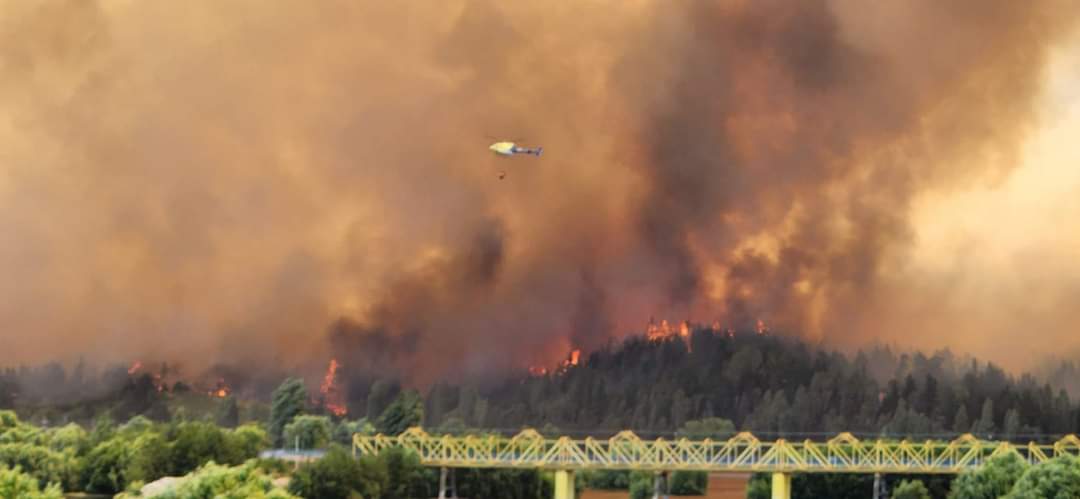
(741, 453)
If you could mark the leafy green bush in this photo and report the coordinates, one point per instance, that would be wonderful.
(16, 484)
(42, 463)
(245, 442)
(406, 478)
(70, 436)
(148, 458)
(215, 481)
(8, 420)
(307, 431)
(991, 481)
(344, 431)
(501, 483)
(689, 483)
(758, 487)
(197, 443)
(608, 479)
(1058, 478)
(104, 467)
(641, 485)
(274, 466)
(338, 476)
(911, 489)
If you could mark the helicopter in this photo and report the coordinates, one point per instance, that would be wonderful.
(510, 149)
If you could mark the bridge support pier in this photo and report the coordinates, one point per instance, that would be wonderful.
(447, 491)
(781, 486)
(564, 484)
(661, 487)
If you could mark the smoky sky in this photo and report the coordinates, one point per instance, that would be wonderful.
(242, 183)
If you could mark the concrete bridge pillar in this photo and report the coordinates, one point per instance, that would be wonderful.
(661, 487)
(564, 484)
(447, 490)
(781, 486)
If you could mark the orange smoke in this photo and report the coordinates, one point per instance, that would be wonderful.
(332, 397)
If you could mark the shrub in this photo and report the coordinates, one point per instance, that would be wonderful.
(608, 479)
(104, 468)
(307, 431)
(689, 483)
(1058, 478)
(42, 463)
(991, 481)
(14, 483)
(215, 481)
(338, 476)
(913, 489)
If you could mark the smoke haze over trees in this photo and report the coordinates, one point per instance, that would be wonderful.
(234, 184)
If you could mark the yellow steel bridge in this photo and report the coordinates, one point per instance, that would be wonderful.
(741, 453)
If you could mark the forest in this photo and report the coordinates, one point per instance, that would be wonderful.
(115, 431)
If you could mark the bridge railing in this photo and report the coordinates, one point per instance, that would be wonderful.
(741, 453)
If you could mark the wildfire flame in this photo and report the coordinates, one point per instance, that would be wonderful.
(221, 391)
(574, 356)
(761, 329)
(537, 371)
(332, 397)
(665, 331)
(135, 367)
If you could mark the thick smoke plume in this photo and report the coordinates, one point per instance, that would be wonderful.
(246, 184)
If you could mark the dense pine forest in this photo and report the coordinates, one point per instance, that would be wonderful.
(767, 384)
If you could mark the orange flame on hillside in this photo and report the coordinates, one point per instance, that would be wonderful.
(332, 397)
(761, 329)
(537, 371)
(222, 389)
(135, 367)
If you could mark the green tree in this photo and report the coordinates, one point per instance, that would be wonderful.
(961, 423)
(219, 481)
(991, 481)
(344, 430)
(307, 431)
(245, 442)
(382, 394)
(228, 413)
(105, 465)
(985, 425)
(758, 487)
(910, 489)
(1058, 478)
(288, 402)
(712, 428)
(197, 442)
(689, 483)
(1012, 423)
(69, 437)
(406, 477)
(642, 485)
(148, 458)
(608, 479)
(405, 412)
(338, 476)
(44, 464)
(16, 484)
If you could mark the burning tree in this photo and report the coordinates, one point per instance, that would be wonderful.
(332, 398)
